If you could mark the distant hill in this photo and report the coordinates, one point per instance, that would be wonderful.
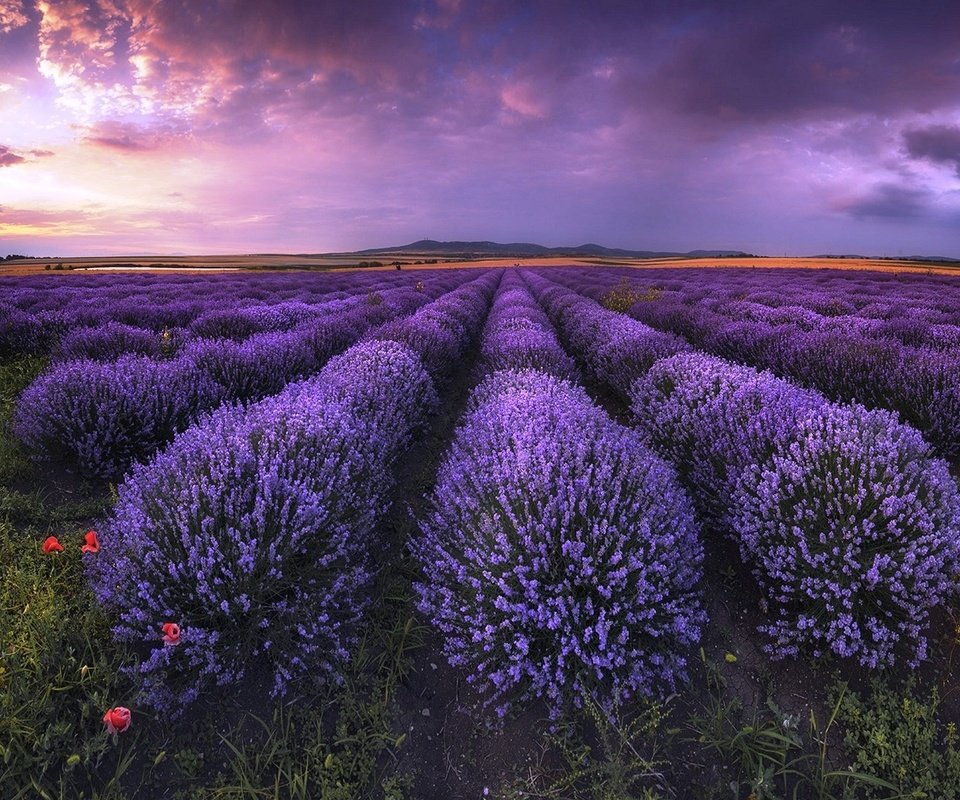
(932, 259)
(529, 250)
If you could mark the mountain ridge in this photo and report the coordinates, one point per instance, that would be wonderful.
(529, 249)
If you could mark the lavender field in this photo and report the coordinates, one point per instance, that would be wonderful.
(585, 532)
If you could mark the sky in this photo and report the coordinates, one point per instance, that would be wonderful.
(249, 126)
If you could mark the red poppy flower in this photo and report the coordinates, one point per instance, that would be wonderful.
(52, 545)
(171, 634)
(117, 719)
(92, 543)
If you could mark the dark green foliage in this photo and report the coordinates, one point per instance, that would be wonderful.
(897, 735)
(15, 375)
(59, 671)
(335, 745)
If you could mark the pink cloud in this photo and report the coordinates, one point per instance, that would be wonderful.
(129, 137)
(8, 158)
(12, 15)
(524, 99)
(77, 39)
(42, 222)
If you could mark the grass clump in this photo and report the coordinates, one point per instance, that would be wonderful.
(898, 736)
(624, 295)
(15, 375)
(339, 744)
(774, 755)
(58, 673)
(603, 755)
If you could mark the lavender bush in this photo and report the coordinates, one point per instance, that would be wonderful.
(36, 310)
(231, 323)
(108, 342)
(560, 558)
(517, 346)
(714, 419)
(253, 529)
(384, 385)
(259, 366)
(518, 335)
(438, 344)
(24, 333)
(854, 531)
(441, 332)
(102, 418)
(628, 349)
(249, 532)
(850, 526)
(99, 418)
(614, 348)
(888, 355)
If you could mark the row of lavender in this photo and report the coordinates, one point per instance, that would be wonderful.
(255, 530)
(100, 417)
(840, 356)
(182, 295)
(110, 340)
(560, 559)
(918, 311)
(847, 522)
(62, 315)
(871, 306)
(808, 295)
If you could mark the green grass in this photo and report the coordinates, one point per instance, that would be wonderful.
(897, 735)
(59, 672)
(15, 375)
(339, 744)
(59, 669)
(774, 755)
(602, 756)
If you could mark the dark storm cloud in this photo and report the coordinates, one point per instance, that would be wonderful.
(558, 60)
(940, 143)
(890, 201)
(769, 60)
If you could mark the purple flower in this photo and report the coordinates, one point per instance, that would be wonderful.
(255, 528)
(848, 523)
(102, 417)
(561, 559)
(851, 525)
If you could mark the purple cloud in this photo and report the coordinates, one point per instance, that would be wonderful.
(940, 143)
(662, 125)
(890, 201)
(128, 137)
(8, 158)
